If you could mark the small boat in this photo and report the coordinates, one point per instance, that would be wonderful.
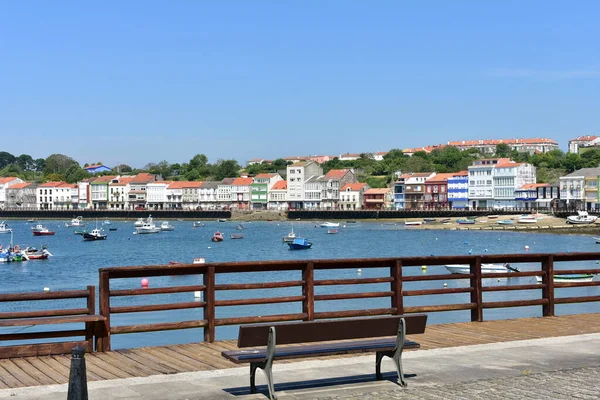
(147, 227)
(413, 223)
(505, 222)
(106, 222)
(582, 217)
(445, 220)
(569, 278)
(78, 221)
(217, 237)
(429, 220)
(4, 228)
(31, 220)
(465, 221)
(95, 234)
(300, 244)
(112, 229)
(493, 216)
(222, 220)
(79, 231)
(138, 223)
(332, 231)
(330, 225)
(197, 224)
(13, 255)
(485, 268)
(289, 238)
(236, 236)
(165, 226)
(527, 219)
(35, 254)
(41, 230)
(239, 227)
(351, 222)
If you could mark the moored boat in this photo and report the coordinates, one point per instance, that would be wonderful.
(485, 268)
(330, 225)
(95, 234)
(236, 236)
(289, 238)
(4, 228)
(217, 237)
(300, 244)
(332, 230)
(41, 230)
(582, 217)
(77, 221)
(527, 219)
(569, 278)
(147, 227)
(413, 223)
(465, 221)
(165, 226)
(505, 222)
(197, 224)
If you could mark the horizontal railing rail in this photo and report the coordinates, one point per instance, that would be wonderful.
(302, 295)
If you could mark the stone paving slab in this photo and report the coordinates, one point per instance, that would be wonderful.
(552, 368)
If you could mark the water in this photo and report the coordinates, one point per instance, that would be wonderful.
(75, 265)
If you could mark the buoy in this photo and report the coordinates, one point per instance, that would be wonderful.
(470, 251)
(359, 271)
(424, 267)
(144, 282)
(445, 284)
(526, 247)
(46, 289)
(198, 295)
(486, 250)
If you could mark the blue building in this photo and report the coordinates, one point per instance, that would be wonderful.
(458, 190)
(94, 169)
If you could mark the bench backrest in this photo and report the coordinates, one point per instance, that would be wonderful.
(322, 331)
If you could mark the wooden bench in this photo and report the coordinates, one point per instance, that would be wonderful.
(334, 332)
(94, 325)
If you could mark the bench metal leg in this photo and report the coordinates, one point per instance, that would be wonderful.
(266, 366)
(395, 355)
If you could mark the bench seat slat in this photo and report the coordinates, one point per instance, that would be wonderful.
(361, 346)
(51, 320)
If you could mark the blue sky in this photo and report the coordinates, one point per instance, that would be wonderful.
(141, 81)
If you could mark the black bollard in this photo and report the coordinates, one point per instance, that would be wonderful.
(77, 375)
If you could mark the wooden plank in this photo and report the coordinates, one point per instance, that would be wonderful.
(18, 373)
(7, 378)
(128, 366)
(172, 360)
(195, 363)
(51, 320)
(148, 354)
(34, 373)
(58, 368)
(157, 365)
(204, 357)
(41, 349)
(66, 363)
(102, 369)
(116, 356)
(208, 354)
(51, 373)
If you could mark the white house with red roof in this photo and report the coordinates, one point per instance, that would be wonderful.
(304, 188)
(84, 196)
(526, 145)
(277, 196)
(46, 196)
(349, 156)
(583, 141)
(137, 189)
(156, 194)
(100, 190)
(240, 193)
(352, 196)
(5, 183)
(21, 196)
(118, 193)
(183, 195)
(259, 189)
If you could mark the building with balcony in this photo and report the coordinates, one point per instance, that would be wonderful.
(304, 189)
(156, 195)
(352, 196)
(118, 193)
(331, 183)
(436, 192)
(277, 196)
(458, 190)
(481, 182)
(209, 195)
(224, 195)
(414, 190)
(531, 146)
(99, 189)
(259, 189)
(137, 189)
(375, 198)
(240, 193)
(21, 196)
(5, 183)
(45, 195)
(579, 190)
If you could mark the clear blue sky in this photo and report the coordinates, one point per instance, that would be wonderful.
(142, 81)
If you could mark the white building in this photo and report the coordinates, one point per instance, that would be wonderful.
(526, 145)
(579, 189)
(118, 193)
(156, 194)
(46, 196)
(301, 192)
(481, 182)
(509, 178)
(351, 196)
(224, 196)
(240, 192)
(5, 183)
(277, 196)
(583, 141)
(137, 189)
(21, 196)
(209, 195)
(331, 183)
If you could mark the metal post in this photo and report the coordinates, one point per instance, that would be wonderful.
(77, 376)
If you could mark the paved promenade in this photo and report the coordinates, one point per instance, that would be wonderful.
(565, 367)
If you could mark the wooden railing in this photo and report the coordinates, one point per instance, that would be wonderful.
(300, 275)
(46, 320)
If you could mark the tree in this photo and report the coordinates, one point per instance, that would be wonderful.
(6, 158)
(25, 162)
(58, 164)
(40, 163)
(122, 169)
(75, 174)
(279, 164)
(226, 169)
(503, 150)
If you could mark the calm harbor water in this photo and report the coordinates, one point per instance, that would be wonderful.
(75, 264)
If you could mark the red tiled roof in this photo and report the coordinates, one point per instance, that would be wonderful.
(122, 181)
(242, 182)
(584, 138)
(105, 179)
(51, 184)
(143, 178)
(7, 179)
(265, 175)
(19, 185)
(280, 185)
(185, 184)
(481, 142)
(70, 185)
(440, 177)
(352, 186)
(377, 191)
(508, 165)
(336, 173)
(534, 185)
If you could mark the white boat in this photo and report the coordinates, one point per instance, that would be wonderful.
(527, 219)
(4, 228)
(330, 225)
(198, 224)
(165, 226)
(569, 278)
(485, 268)
(582, 217)
(289, 238)
(39, 228)
(75, 222)
(138, 223)
(413, 223)
(147, 227)
(106, 222)
(95, 234)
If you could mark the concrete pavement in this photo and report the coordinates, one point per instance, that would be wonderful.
(552, 368)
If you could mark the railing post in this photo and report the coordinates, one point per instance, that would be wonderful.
(90, 327)
(476, 294)
(209, 307)
(548, 282)
(396, 287)
(103, 332)
(308, 291)
(77, 389)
